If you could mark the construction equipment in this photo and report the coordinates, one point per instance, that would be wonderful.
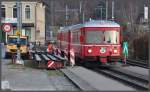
(11, 45)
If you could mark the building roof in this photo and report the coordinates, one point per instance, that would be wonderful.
(40, 1)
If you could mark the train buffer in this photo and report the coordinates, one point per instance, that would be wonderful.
(48, 61)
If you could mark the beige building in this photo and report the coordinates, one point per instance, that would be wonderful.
(33, 18)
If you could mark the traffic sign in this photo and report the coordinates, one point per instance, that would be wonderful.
(7, 27)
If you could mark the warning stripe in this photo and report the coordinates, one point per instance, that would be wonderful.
(72, 57)
(51, 64)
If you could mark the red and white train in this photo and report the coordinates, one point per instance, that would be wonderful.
(92, 41)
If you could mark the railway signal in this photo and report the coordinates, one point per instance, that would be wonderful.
(125, 48)
(125, 51)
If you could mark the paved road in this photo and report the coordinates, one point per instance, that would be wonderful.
(17, 78)
(24, 78)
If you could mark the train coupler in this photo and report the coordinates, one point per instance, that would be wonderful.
(103, 59)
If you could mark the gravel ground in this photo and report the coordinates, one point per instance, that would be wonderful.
(18, 78)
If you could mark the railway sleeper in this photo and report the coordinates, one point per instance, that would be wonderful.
(48, 61)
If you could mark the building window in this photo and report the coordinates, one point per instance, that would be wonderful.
(14, 11)
(28, 32)
(27, 12)
(3, 11)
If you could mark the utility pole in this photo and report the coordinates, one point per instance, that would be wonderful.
(0, 35)
(52, 12)
(101, 8)
(0, 25)
(113, 10)
(81, 13)
(106, 9)
(83, 19)
(66, 11)
(80, 10)
(66, 15)
(19, 28)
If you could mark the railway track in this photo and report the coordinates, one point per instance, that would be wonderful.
(134, 80)
(138, 63)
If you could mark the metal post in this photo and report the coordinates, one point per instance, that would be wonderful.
(19, 27)
(80, 12)
(101, 12)
(0, 34)
(80, 7)
(106, 9)
(0, 25)
(113, 10)
(83, 17)
(35, 22)
(66, 15)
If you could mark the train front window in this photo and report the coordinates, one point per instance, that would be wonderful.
(23, 41)
(12, 40)
(108, 37)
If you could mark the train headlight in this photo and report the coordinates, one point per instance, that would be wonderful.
(89, 51)
(103, 50)
(115, 51)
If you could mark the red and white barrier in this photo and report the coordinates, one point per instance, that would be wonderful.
(50, 63)
(53, 65)
(72, 57)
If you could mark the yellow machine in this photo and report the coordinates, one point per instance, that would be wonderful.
(11, 45)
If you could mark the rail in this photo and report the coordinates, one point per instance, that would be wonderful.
(129, 79)
(139, 63)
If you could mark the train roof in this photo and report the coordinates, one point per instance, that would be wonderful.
(92, 23)
(101, 23)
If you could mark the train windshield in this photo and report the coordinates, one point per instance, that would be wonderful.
(23, 41)
(12, 40)
(108, 37)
